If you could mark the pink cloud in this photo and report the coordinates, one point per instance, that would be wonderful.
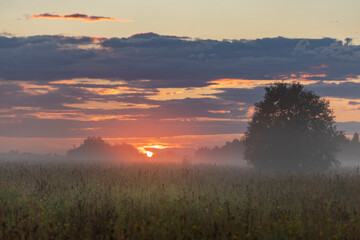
(78, 16)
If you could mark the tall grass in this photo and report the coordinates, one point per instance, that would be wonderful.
(149, 201)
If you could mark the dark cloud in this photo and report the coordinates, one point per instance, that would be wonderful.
(9, 42)
(146, 62)
(45, 42)
(7, 90)
(196, 108)
(169, 61)
(353, 103)
(349, 90)
(342, 90)
(13, 95)
(34, 127)
(349, 127)
(244, 95)
(61, 99)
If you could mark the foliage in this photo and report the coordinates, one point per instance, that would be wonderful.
(91, 146)
(95, 148)
(69, 201)
(292, 129)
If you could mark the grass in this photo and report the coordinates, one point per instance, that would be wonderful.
(78, 201)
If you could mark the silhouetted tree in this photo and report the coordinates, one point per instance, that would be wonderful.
(355, 139)
(95, 148)
(292, 129)
(91, 147)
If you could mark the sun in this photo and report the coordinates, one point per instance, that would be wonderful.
(149, 154)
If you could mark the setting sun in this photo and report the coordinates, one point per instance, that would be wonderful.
(149, 154)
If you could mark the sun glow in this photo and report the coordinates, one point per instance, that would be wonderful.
(157, 146)
(144, 149)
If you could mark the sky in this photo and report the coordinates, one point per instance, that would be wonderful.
(171, 74)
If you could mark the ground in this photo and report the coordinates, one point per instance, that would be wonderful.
(152, 201)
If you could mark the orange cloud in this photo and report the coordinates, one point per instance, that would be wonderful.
(246, 83)
(308, 75)
(78, 16)
(219, 111)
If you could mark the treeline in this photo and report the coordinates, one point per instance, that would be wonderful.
(25, 156)
(97, 149)
(230, 153)
(350, 151)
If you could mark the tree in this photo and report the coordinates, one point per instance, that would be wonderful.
(90, 148)
(292, 129)
(355, 139)
(96, 148)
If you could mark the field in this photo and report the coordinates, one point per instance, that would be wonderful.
(150, 201)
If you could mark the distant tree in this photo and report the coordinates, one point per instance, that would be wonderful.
(350, 151)
(355, 139)
(95, 148)
(91, 147)
(292, 129)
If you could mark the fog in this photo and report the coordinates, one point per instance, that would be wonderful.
(94, 150)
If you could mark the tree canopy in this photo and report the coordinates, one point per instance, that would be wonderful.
(292, 129)
(95, 148)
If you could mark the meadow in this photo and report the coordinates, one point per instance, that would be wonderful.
(40, 200)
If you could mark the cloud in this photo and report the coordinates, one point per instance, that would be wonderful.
(12, 95)
(78, 16)
(247, 96)
(345, 90)
(353, 103)
(85, 101)
(349, 90)
(34, 127)
(156, 85)
(349, 127)
(188, 108)
(170, 61)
